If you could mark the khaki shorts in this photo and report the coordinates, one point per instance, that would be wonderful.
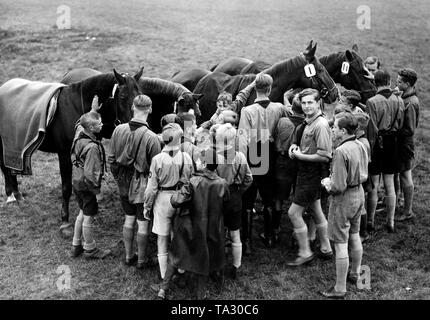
(163, 213)
(345, 214)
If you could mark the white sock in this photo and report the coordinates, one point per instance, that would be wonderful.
(236, 250)
(322, 234)
(162, 262)
(77, 235)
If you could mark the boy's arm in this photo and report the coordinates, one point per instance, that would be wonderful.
(184, 195)
(242, 97)
(339, 174)
(151, 188)
(93, 169)
(246, 174)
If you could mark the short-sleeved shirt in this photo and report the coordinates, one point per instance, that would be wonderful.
(316, 138)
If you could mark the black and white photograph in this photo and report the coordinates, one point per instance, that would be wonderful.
(214, 155)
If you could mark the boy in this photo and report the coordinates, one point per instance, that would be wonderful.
(349, 171)
(88, 158)
(235, 170)
(312, 149)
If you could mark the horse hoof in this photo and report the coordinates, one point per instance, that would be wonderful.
(66, 230)
(19, 196)
(11, 199)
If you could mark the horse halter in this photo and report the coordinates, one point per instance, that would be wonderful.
(116, 122)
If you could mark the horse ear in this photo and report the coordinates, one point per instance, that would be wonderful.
(119, 78)
(139, 74)
(311, 53)
(355, 47)
(197, 96)
(349, 55)
(309, 47)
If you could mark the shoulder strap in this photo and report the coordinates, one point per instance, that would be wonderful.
(237, 172)
(181, 170)
(140, 142)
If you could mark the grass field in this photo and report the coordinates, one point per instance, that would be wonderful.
(167, 36)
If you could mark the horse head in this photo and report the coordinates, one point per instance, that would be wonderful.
(318, 75)
(189, 101)
(127, 90)
(356, 76)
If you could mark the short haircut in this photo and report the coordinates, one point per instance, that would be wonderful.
(263, 82)
(363, 121)
(225, 96)
(309, 92)
(340, 107)
(88, 119)
(230, 114)
(296, 106)
(408, 75)
(226, 133)
(346, 120)
(372, 60)
(142, 102)
(167, 118)
(352, 96)
(382, 78)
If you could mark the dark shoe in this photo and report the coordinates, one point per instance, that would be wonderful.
(161, 293)
(299, 261)
(352, 278)
(405, 217)
(77, 251)
(267, 241)
(180, 279)
(325, 255)
(142, 265)
(96, 253)
(333, 294)
(232, 272)
(132, 261)
(390, 229)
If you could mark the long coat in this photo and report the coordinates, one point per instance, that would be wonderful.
(198, 227)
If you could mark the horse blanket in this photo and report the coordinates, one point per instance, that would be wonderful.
(26, 109)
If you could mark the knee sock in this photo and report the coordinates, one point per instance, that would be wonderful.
(162, 262)
(390, 203)
(363, 225)
(128, 234)
(142, 240)
(303, 241)
(356, 253)
(371, 208)
(408, 193)
(236, 250)
(322, 234)
(88, 232)
(342, 264)
(312, 231)
(77, 235)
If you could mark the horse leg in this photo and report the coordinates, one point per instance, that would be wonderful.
(9, 185)
(66, 187)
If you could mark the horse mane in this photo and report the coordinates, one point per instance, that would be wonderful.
(101, 85)
(333, 56)
(285, 66)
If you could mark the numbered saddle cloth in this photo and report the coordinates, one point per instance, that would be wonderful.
(26, 109)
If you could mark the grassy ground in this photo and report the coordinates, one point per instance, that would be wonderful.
(176, 35)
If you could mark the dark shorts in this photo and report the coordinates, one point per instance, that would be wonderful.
(385, 156)
(87, 202)
(308, 182)
(406, 154)
(345, 214)
(131, 209)
(285, 172)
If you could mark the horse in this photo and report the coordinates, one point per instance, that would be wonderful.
(116, 93)
(231, 66)
(286, 74)
(163, 94)
(168, 97)
(189, 78)
(357, 78)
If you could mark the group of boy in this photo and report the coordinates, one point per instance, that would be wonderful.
(189, 189)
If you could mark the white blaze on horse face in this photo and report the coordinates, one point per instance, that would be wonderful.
(310, 70)
(345, 67)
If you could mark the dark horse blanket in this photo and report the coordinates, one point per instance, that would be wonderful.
(25, 111)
